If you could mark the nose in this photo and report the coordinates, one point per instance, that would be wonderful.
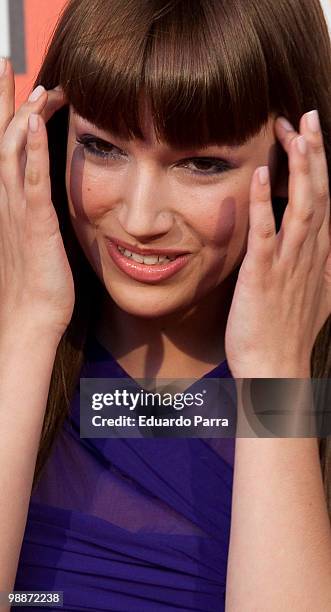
(144, 212)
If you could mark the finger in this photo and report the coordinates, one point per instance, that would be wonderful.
(294, 145)
(297, 224)
(311, 129)
(13, 142)
(262, 227)
(7, 95)
(37, 185)
(285, 133)
(56, 99)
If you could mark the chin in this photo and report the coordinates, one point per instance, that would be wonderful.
(147, 304)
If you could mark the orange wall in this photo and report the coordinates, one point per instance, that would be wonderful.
(40, 18)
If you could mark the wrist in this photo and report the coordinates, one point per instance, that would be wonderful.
(276, 406)
(281, 370)
(28, 333)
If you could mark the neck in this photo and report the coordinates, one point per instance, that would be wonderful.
(185, 343)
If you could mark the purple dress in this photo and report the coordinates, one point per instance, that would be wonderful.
(130, 524)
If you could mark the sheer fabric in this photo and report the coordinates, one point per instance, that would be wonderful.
(130, 524)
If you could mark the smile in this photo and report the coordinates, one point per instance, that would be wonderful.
(146, 268)
(145, 259)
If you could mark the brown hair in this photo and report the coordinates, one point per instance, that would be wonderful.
(213, 71)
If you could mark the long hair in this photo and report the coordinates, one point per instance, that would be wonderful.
(213, 71)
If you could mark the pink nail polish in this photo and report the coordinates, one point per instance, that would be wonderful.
(35, 95)
(302, 145)
(264, 175)
(33, 122)
(3, 66)
(313, 121)
(286, 124)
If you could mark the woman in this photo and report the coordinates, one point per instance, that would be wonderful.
(169, 139)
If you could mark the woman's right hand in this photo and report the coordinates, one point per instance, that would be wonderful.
(36, 282)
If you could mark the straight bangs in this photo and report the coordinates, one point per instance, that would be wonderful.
(199, 66)
(208, 71)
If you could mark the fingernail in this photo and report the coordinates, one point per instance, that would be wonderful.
(313, 121)
(35, 95)
(33, 122)
(302, 144)
(3, 66)
(286, 124)
(264, 175)
(58, 88)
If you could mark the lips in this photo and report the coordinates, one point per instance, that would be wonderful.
(144, 272)
(136, 249)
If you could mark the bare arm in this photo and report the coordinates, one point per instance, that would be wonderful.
(26, 362)
(36, 303)
(280, 542)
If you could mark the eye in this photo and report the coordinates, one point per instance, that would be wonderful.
(206, 166)
(99, 148)
(202, 166)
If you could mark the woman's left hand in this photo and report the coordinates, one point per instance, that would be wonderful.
(282, 296)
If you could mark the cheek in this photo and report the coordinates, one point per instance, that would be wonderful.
(220, 221)
(224, 213)
(86, 189)
(84, 193)
(218, 214)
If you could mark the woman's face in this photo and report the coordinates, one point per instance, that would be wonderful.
(146, 195)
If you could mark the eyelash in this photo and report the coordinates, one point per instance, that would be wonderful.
(106, 153)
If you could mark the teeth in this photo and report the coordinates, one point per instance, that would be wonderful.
(147, 259)
(150, 259)
(137, 257)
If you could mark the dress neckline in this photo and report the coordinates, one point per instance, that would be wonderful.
(97, 352)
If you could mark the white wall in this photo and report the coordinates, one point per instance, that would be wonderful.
(4, 29)
(326, 4)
